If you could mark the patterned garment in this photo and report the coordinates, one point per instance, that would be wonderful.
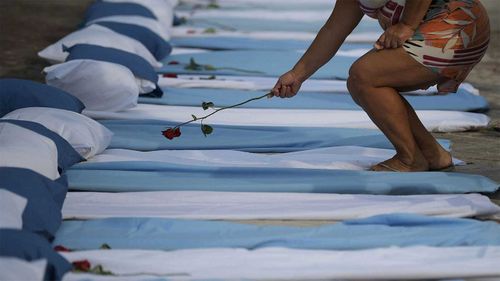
(451, 40)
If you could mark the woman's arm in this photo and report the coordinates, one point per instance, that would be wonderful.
(395, 35)
(345, 17)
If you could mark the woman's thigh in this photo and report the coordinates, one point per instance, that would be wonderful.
(391, 68)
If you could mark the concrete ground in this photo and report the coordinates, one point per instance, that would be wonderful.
(27, 26)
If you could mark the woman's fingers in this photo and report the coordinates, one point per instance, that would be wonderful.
(276, 89)
(380, 42)
(388, 41)
(283, 91)
(395, 42)
(286, 86)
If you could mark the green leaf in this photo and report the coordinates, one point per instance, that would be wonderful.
(105, 247)
(211, 77)
(194, 117)
(99, 269)
(209, 67)
(206, 129)
(182, 20)
(210, 30)
(213, 6)
(207, 105)
(193, 65)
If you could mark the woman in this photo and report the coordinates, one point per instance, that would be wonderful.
(429, 42)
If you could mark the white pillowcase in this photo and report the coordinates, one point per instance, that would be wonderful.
(101, 86)
(19, 269)
(11, 209)
(163, 10)
(149, 23)
(87, 136)
(100, 36)
(23, 148)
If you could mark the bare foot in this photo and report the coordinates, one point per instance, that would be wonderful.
(397, 165)
(438, 159)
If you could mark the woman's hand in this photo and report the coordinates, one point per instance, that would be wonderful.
(394, 36)
(288, 85)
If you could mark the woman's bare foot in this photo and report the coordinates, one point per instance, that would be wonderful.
(438, 158)
(395, 164)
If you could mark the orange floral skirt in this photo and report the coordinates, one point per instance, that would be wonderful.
(451, 40)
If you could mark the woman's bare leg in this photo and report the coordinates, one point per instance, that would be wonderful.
(373, 83)
(437, 157)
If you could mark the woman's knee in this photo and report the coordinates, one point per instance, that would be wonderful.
(358, 82)
(359, 78)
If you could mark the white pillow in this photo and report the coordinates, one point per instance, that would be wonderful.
(87, 136)
(151, 24)
(11, 209)
(12, 268)
(163, 10)
(100, 36)
(101, 86)
(23, 148)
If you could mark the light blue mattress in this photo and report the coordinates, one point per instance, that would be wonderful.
(153, 176)
(460, 101)
(379, 231)
(254, 63)
(144, 135)
(246, 43)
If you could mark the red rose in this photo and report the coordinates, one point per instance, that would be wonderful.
(171, 133)
(191, 31)
(170, 75)
(81, 265)
(174, 62)
(60, 248)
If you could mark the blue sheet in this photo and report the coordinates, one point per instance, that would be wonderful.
(244, 43)
(460, 101)
(380, 231)
(255, 63)
(144, 135)
(152, 176)
(189, 6)
(252, 24)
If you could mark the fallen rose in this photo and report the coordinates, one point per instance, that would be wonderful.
(171, 133)
(60, 248)
(81, 265)
(170, 75)
(174, 62)
(195, 66)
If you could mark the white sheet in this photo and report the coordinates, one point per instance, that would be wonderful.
(266, 83)
(183, 31)
(418, 262)
(434, 120)
(11, 210)
(14, 269)
(334, 158)
(180, 51)
(268, 206)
